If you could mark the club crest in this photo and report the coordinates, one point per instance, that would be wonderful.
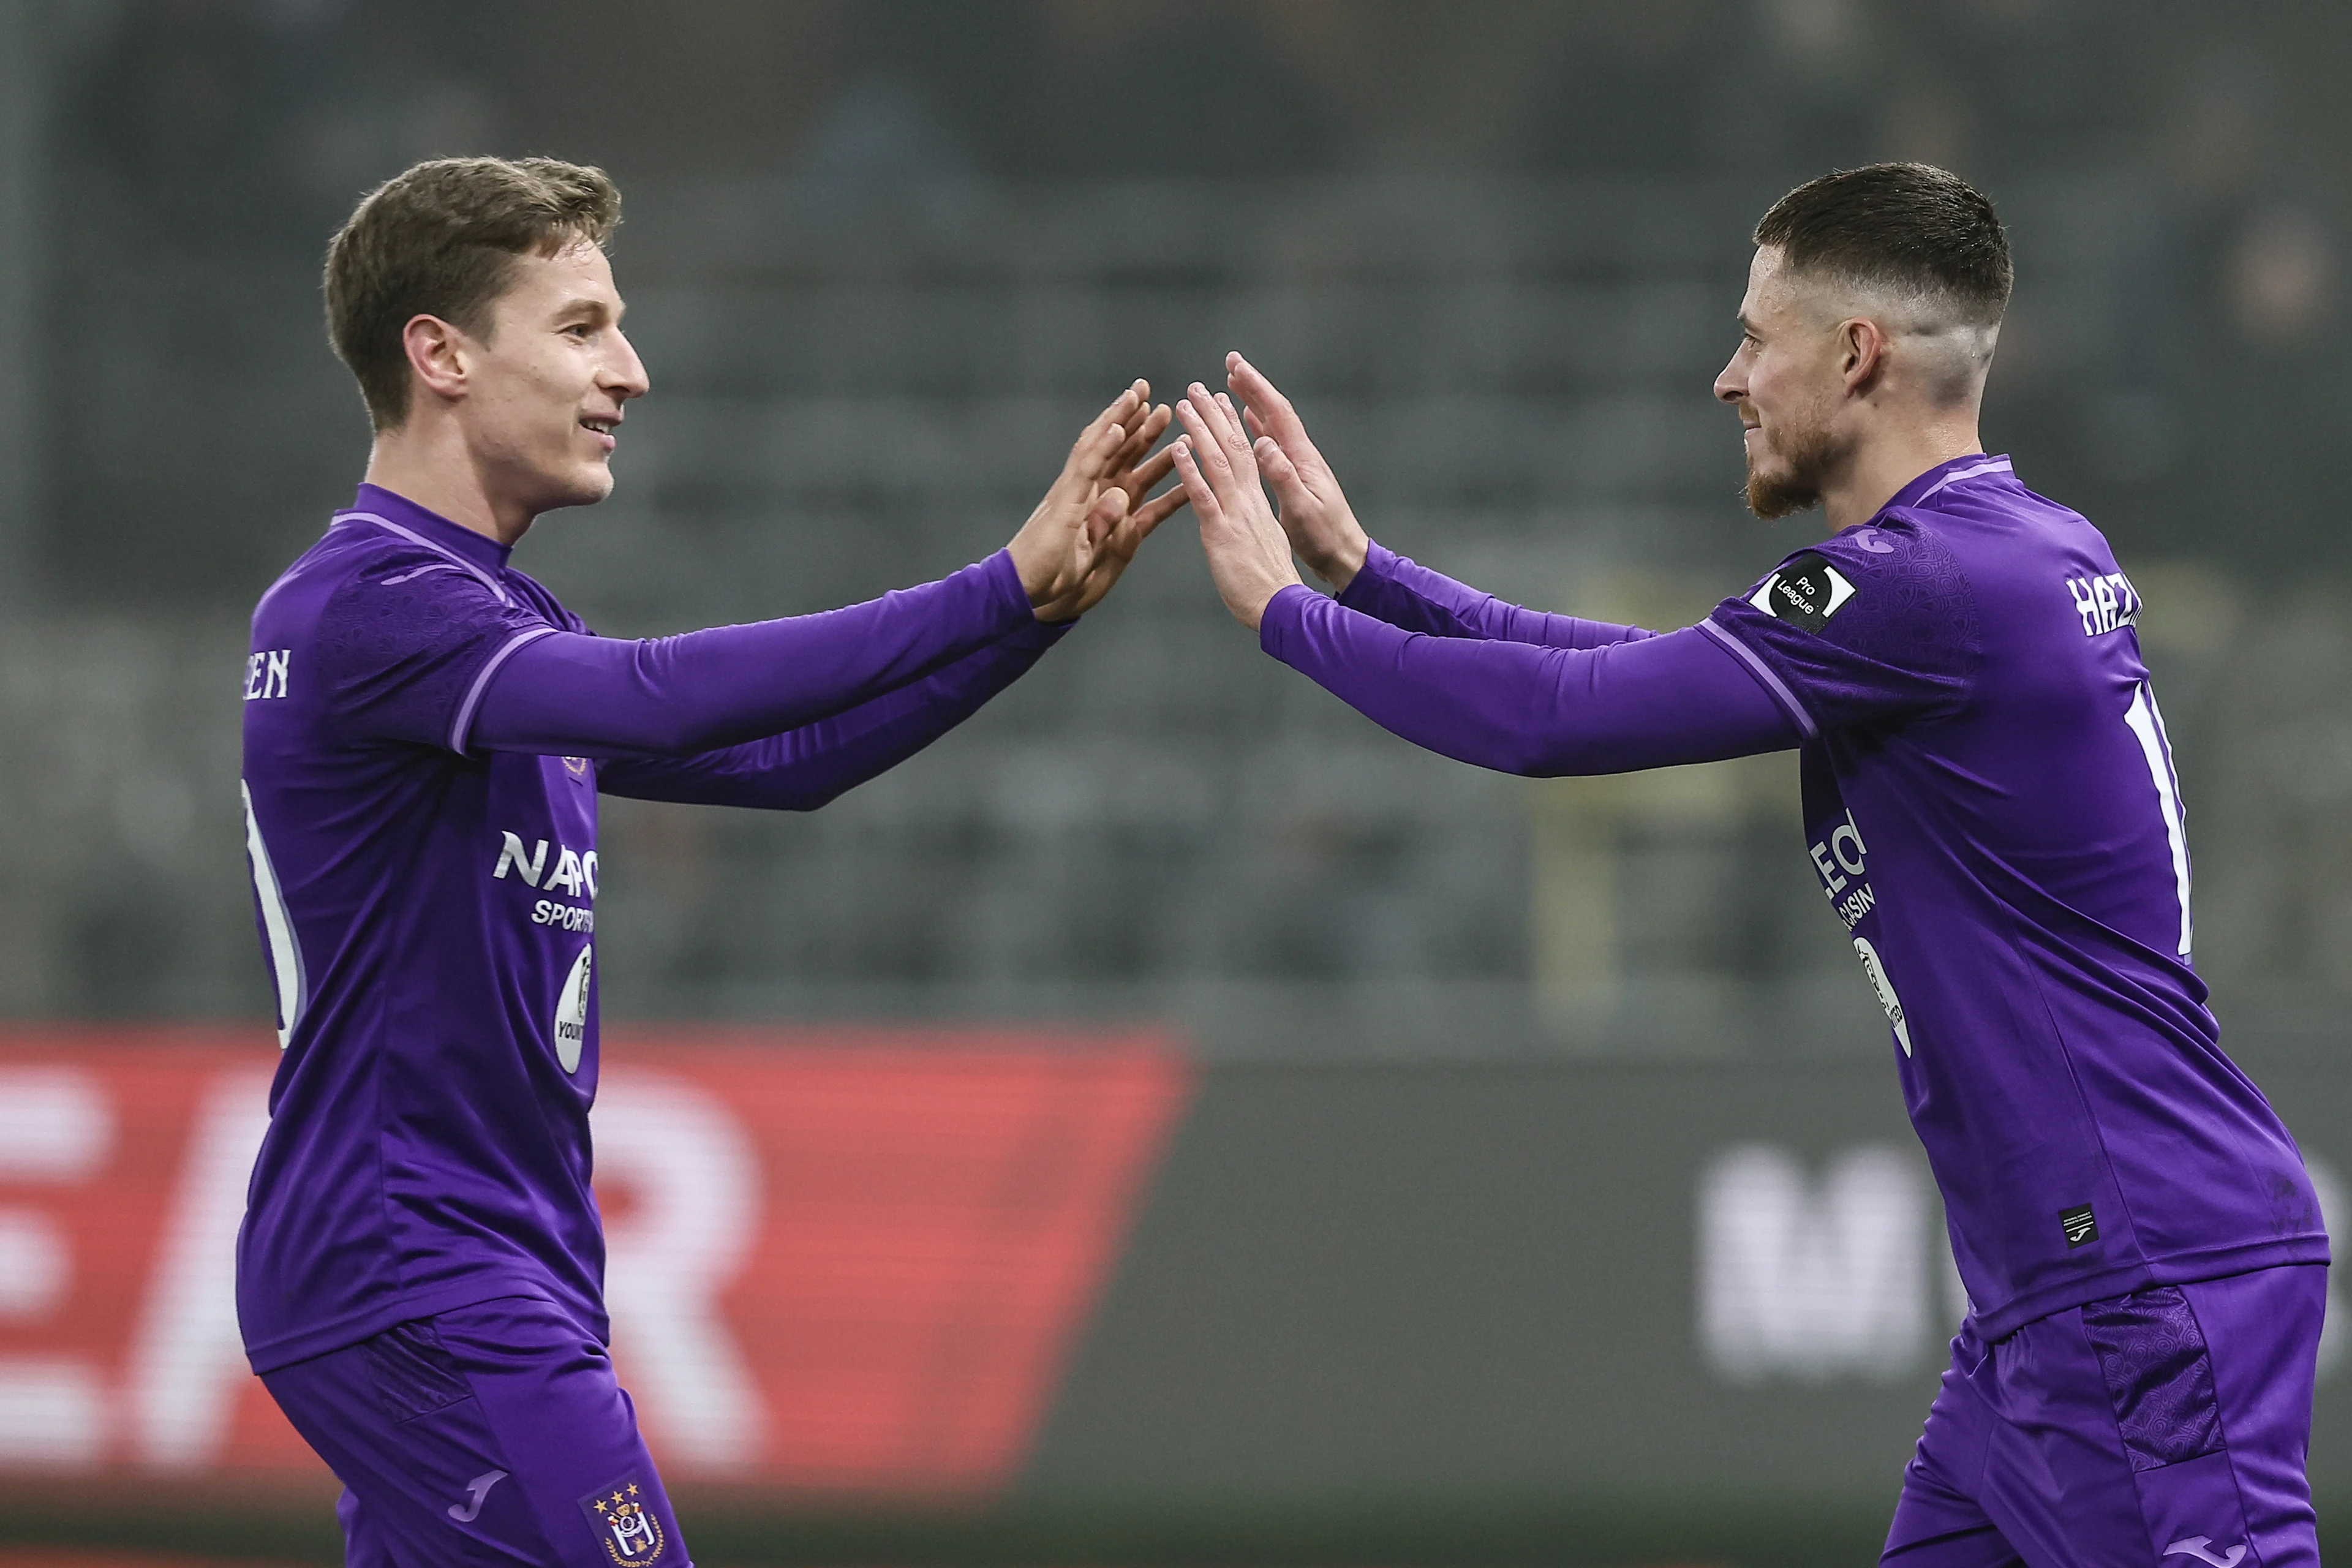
(625, 1526)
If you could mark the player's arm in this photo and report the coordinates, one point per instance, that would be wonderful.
(1519, 709)
(572, 694)
(1323, 531)
(803, 769)
(1515, 707)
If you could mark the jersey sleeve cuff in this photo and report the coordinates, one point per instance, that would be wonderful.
(1283, 612)
(1012, 600)
(1378, 570)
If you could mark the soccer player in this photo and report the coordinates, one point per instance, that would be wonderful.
(426, 730)
(1992, 808)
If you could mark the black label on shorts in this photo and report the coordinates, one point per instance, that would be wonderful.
(2080, 1226)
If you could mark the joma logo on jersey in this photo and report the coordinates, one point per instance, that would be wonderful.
(574, 874)
(2106, 603)
(266, 673)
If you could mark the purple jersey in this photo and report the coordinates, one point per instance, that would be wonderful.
(427, 901)
(1992, 807)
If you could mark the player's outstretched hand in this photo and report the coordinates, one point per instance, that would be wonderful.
(1249, 555)
(1313, 512)
(1096, 516)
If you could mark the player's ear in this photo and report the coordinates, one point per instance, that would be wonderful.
(436, 354)
(1862, 352)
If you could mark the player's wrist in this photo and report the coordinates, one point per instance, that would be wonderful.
(1338, 566)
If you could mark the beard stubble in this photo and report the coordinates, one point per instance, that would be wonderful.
(1807, 456)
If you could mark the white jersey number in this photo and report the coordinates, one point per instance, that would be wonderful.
(277, 927)
(2147, 722)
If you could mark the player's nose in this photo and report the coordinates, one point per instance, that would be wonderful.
(626, 377)
(1730, 386)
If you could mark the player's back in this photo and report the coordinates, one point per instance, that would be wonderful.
(426, 914)
(2079, 797)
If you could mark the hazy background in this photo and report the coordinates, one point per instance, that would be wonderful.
(883, 258)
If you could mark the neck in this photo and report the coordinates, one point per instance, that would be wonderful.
(1888, 461)
(426, 461)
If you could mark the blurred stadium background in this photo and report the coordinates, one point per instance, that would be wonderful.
(1171, 1120)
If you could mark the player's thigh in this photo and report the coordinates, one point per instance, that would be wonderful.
(2261, 1332)
(495, 1435)
(1937, 1522)
(2127, 1432)
(398, 1425)
(546, 1391)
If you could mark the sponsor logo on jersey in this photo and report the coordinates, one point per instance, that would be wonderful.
(625, 1527)
(1805, 591)
(570, 1030)
(1840, 860)
(2106, 604)
(2079, 1226)
(266, 673)
(2195, 1545)
(574, 873)
(1875, 968)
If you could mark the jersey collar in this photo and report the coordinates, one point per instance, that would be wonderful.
(478, 549)
(1956, 471)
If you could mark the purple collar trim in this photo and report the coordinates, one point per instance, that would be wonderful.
(483, 557)
(1959, 470)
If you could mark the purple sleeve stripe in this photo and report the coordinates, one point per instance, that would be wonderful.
(1763, 672)
(422, 543)
(465, 721)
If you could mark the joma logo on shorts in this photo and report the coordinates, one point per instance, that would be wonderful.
(574, 873)
(2195, 1545)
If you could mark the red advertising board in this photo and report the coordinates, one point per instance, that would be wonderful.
(840, 1261)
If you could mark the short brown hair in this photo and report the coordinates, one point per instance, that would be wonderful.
(1911, 225)
(441, 239)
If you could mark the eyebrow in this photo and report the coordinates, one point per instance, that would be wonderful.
(584, 305)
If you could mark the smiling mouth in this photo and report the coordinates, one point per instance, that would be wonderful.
(600, 428)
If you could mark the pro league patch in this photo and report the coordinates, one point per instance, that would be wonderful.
(625, 1526)
(1805, 591)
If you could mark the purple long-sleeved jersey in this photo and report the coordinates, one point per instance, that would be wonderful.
(1992, 808)
(426, 734)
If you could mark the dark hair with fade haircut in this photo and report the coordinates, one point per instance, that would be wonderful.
(442, 240)
(1909, 226)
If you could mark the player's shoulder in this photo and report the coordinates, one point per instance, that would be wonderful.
(537, 597)
(1897, 564)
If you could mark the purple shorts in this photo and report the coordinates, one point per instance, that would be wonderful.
(2162, 1429)
(496, 1434)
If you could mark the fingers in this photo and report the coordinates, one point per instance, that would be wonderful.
(1155, 512)
(1105, 515)
(1215, 422)
(1106, 432)
(1270, 413)
(1144, 430)
(1136, 480)
(1275, 465)
(1197, 489)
